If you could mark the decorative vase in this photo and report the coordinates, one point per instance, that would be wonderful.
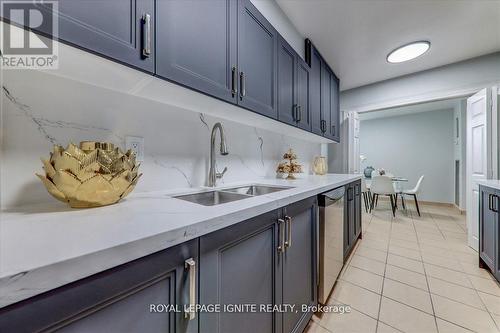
(320, 166)
(92, 175)
(368, 171)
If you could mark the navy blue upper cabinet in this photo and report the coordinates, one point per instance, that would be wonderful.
(257, 61)
(119, 29)
(196, 45)
(304, 82)
(325, 102)
(315, 96)
(287, 88)
(293, 87)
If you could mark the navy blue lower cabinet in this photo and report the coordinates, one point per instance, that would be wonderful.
(135, 297)
(123, 30)
(352, 216)
(299, 263)
(489, 231)
(269, 261)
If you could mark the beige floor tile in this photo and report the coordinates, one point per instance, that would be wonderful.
(405, 318)
(358, 298)
(384, 328)
(485, 285)
(370, 265)
(496, 318)
(447, 275)
(463, 315)
(364, 279)
(455, 292)
(472, 269)
(405, 243)
(314, 327)
(492, 302)
(404, 236)
(411, 296)
(352, 322)
(374, 244)
(436, 243)
(406, 263)
(447, 327)
(369, 234)
(404, 252)
(442, 262)
(374, 254)
(409, 277)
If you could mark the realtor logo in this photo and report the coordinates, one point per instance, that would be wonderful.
(21, 48)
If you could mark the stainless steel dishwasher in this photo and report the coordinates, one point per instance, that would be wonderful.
(331, 240)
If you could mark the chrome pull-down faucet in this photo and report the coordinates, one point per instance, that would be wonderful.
(213, 175)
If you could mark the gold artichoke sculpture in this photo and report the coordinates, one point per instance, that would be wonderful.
(92, 175)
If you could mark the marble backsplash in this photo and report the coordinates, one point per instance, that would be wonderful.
(40, 109)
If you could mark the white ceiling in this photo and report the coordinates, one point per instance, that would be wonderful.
(355, 36)
(448, 104)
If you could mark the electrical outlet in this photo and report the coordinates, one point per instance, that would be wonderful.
(136, 144)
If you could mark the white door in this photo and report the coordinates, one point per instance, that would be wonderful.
(353, 146)
(479, 157)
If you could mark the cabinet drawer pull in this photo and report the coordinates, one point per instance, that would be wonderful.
(333, 130)
(494, 201)
(489, 201)
(288, 241)
(299, 116)
(146, 35)
(234, 89)
(281, 235)
(243, 90)
(294, 112)
(190, 264)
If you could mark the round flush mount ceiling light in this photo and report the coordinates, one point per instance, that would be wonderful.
(408, 52)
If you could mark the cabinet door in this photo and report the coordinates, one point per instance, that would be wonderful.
(112, 28)
(299, 263)
(333, 131)
(326, 99)
(303, 94)
(117, 300)
(488, 220)
(238, 265)
(357, 210)
(287, 92)
(257, 61)
(196, 45)
(315, 94)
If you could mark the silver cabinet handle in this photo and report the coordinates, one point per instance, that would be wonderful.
(294, 112)
(288, 241)
(190, 265)
(243, 90)
(234, 89)
(146, 35)
(281, 235)
(299, 118)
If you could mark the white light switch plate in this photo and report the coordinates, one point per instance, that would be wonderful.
(136, 144)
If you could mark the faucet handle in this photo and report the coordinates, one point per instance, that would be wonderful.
(219, 175)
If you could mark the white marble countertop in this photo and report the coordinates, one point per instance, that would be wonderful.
(493, 183)
(46, 246)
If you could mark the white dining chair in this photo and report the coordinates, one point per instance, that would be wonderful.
(413, 192)
(366, 195)
(375, 173)
(382, 185)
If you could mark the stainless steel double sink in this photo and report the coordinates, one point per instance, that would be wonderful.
(217, 197)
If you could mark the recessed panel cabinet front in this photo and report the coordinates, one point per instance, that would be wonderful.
(140, 296)
(196, 45)
(119, 29)
(287, 88)
(488, 226)
(238, 265)
(299, 258)
(257, 61)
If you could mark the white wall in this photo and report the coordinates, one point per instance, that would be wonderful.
(462, 78)
(414, 145)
